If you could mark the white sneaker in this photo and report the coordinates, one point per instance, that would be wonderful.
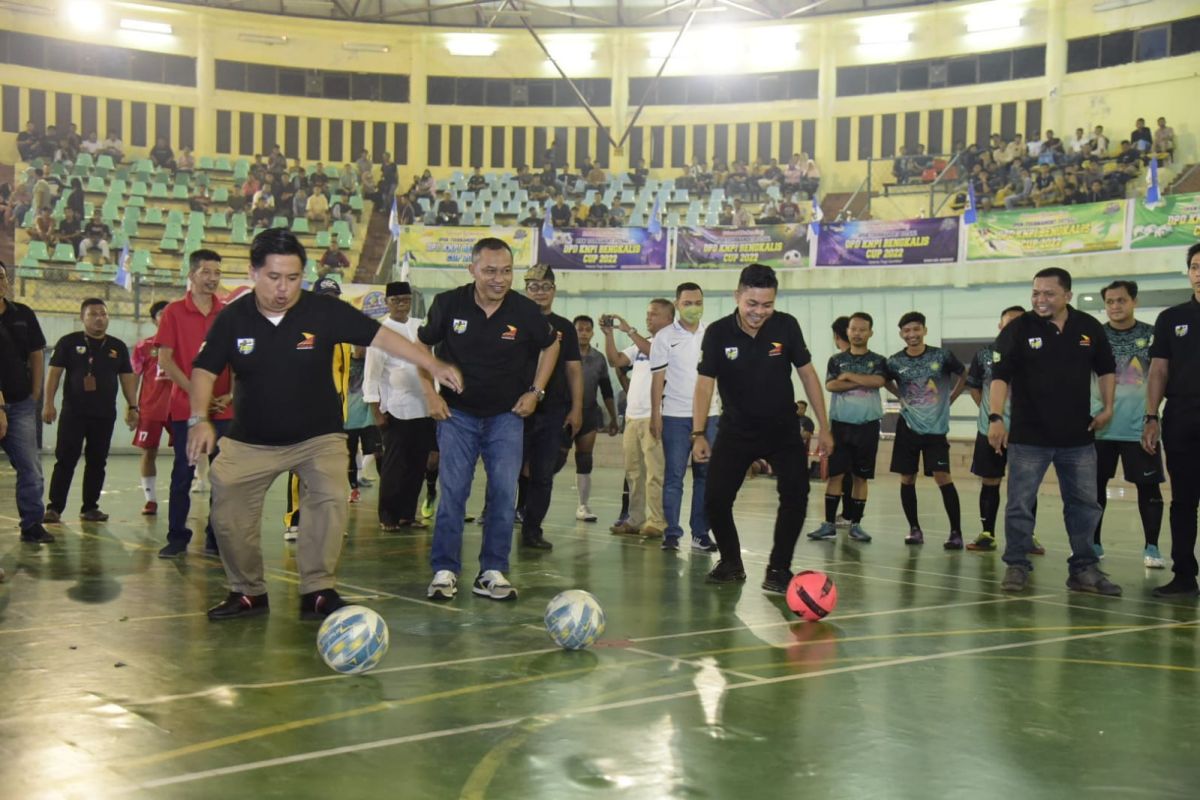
(584, 514)
(841, 522)
(198, 486)
(492, 584)
(444, 586)
(289, 533)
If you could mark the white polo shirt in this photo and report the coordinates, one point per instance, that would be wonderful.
(393, 382)
(677, 350)
(637, 399)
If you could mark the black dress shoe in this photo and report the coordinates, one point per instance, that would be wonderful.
(36, 534)
(1178, 587)
(776, 580)
(725, 572)
(240, 605)
(173, 550)
(320, 604)
(537, 543)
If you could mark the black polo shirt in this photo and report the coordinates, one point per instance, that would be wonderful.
(558, 389)
(284, 391)
(1049, 373)
(497, 355)
(105, 359)
(20, 335)
(1177, 339)
(754, 373)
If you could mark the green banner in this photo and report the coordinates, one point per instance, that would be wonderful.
(1173, 222)
(1051, 231)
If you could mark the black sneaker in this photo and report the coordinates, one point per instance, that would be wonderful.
(1178, 587)
(239, 605)
(536, 542)
(173, 550)
(36, 534)
(955, 542)
(776, 580)
(320, 604)
(1094, 581)
(726, 573)
(93, 515)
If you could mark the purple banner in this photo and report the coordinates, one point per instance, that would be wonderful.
(877, 243)
(604, 248)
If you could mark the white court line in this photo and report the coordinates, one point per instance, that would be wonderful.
(676, 660)
(361, 747)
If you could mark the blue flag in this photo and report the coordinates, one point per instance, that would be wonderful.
(818, 214)
(124, 278)
(1152, 195)
(394, 220)
(654, 225)
(548, 227)
(971, 214)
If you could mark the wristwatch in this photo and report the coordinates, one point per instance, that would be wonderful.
(1150, 418)
(697, 434)
(195, 420)
(541, 393)
(995, 418)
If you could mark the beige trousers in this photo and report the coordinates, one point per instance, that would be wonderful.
(644, 467)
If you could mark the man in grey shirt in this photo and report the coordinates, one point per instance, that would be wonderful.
(595, 376)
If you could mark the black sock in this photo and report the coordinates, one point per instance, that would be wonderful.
(989, 507)
(856, 509)
(624, 500)
(1102, 498)
(522, 485)
(831, 504)
(953, 510)
(1150, 506)
(908, 500)
(431, 476)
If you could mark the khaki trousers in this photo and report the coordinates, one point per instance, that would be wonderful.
(240, 477)
(644, 467)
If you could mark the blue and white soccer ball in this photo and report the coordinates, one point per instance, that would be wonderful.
(353, 639)
(574, 619)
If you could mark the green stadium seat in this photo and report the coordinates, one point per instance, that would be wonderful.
(195, 218)
(104, 165)
(119, 240)
(206, 162)
(63, 253)
(300, 225)
(180, 192)
(130, 226)
(223, 165)
(310, 271)
(38, 251)
(279, 222)
(139, 188)
(341, 229)
(220, 195)
(154, 216)
(84, 267)
(159, 191)
(238, 219)
(200, 178)
(217, 220)
(95, 184)
(28, 221)
(240, 235)
(162, 176)
(137, 201)
(174, 231)
(58, 169)
(123, 172)
(169, 245)
(140, 262)
(356, 202)
(175, 215)
(241, 170)
(323, 238)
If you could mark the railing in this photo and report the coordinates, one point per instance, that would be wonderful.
(866, 182)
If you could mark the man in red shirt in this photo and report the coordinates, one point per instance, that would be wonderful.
(154, 400)
(181, 331)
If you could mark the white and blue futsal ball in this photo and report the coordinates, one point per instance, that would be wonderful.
(353, 639)
(574, 619)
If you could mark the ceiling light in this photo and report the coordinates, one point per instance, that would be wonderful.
(365, 47)
(884, 32)
(262, 38)
(145, 26)
(471, 44)
(993, 16)
(84, 15)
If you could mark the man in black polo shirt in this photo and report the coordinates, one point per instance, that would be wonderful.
(1048, 356)
(279, 342)
(1175, 373)
(94, 363)
(507, 351)
(749, 357)
(21, 364)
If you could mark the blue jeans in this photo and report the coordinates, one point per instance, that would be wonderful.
(20, 443)
(677, 450)
(180, 499)
(462, 439)
(1076, 469)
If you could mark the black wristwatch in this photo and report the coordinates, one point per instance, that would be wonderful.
(995, 418)
(1150, 418)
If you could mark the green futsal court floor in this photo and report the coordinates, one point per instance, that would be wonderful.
(926, 682)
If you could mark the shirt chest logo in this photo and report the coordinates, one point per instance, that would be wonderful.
(1085, 340)
(1036, 343)
(245, 346)
(459, 326)
(776, 349)
(80, 349)
(511, 333)
(1181, 330)
(731, 353)
(308, 342)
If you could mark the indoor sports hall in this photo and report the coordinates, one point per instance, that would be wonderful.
(882, 156)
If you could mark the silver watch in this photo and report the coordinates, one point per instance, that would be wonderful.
(195, 420)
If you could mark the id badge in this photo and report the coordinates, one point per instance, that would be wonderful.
(89, 383)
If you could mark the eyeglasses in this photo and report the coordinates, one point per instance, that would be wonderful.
(539, 287)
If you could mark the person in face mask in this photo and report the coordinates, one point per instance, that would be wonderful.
(674, 355)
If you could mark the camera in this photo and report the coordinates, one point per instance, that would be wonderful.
(606, 320)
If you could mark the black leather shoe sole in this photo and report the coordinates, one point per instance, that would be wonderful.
(537, 544)
(725, 576)
(1174, 590)
(236, 609)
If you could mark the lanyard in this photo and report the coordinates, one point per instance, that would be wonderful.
(91, 353)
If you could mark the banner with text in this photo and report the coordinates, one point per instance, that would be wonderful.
(779, 246)
(604, 248)
(448, 246)
(1051, 231)
(1173, 222)
(878, 243)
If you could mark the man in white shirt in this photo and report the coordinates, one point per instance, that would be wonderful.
(392, 389)
(674, 355)
(644, 463)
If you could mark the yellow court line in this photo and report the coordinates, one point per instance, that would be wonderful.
(1099, 662)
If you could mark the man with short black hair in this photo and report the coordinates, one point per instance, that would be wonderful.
(595, 380)
(1175, 374)
(748, 357)
(154, 406)
(1048, 356)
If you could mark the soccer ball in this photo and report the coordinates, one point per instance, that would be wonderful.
(574, 619)
(352, 640)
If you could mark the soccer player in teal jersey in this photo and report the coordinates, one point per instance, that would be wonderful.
(854, 377)
(927, 380)
(1121, 438)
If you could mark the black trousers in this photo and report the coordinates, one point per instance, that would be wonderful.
(543, 441)
(732, 454)
(91, 437)
(1181, 441)
(406, 447)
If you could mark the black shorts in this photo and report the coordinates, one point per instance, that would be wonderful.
(910, 448)
(986, 462)
(1140, 466)
(854, 449)
(592, 419)
(368, 439)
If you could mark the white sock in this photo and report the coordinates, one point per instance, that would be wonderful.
(149, 488)
(367, 463)
(584, 482)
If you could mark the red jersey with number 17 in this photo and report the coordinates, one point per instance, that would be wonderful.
(154, 397)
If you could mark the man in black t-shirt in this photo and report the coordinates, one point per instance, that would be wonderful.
(1175, 374)
(748, 357)
(279, 343)
(95, 364)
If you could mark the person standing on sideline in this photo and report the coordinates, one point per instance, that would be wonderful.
(506, 350)
(854, 377)
(1175, 374)
(923, 378)
(181, 331)
(674, 355)
(841, 342)
(21, 364)
(550, 429)
(748, 357)
(392, 388)
(94, 363)
(595, 377)
(1048, 356)
(154, 404)
(361, 432)
(643, 451)
(279, 341)
(1121, 439)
